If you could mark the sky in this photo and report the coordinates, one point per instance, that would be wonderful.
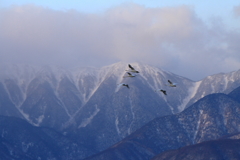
(192, 39)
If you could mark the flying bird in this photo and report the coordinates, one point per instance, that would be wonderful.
(132, 69)
(172, 84)
(129, 75)
(161, 90)
(124, 84)
(164, 92)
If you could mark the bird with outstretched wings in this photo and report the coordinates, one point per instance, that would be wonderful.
(129, 75)
(164, 92)
(171, 84)
(132, 69)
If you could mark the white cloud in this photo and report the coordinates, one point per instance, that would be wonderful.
(237, 11)
(173, 38)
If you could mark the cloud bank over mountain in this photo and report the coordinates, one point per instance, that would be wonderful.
(237, 11)
(173, 38)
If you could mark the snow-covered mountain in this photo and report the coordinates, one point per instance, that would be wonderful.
(210, 118)
(73, 89)
(218, 83)
(87, 104)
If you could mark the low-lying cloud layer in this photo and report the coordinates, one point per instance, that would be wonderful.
(173, 38)
(237, 11)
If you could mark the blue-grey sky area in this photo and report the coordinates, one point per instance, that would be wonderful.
(193, 39)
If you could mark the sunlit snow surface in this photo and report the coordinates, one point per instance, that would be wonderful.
(191, 93)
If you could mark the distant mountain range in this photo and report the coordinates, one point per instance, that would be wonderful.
(210, 118)
(88, 106)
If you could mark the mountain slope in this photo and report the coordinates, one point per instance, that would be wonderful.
(120, 114)
(7, 108)
(88, 102)
(114, 112)
(20, 140)
(88, 105)
(235, 94)
(218, 83)
(226, 148)
(210, 118)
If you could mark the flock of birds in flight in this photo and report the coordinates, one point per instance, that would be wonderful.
(130, 74)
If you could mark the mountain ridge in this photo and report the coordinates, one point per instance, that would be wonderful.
(20, 140)
(223, 148)
(77, 102)
(210, 118)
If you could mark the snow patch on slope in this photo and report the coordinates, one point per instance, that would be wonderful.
(198, 124)
(78, 79)
(88, 120)
(40, 119)
(20, 73)
(153, 76)
(101, 75)
(117, 128)
(225, 82)
(26, 116)
(191, 93)
(133, 116)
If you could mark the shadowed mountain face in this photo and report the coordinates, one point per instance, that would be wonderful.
(42, 105)
(221, 149)
(235, 94)
(19, 140)
(89, 106)
(7, 108)
(210, 118)
(120, 113)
